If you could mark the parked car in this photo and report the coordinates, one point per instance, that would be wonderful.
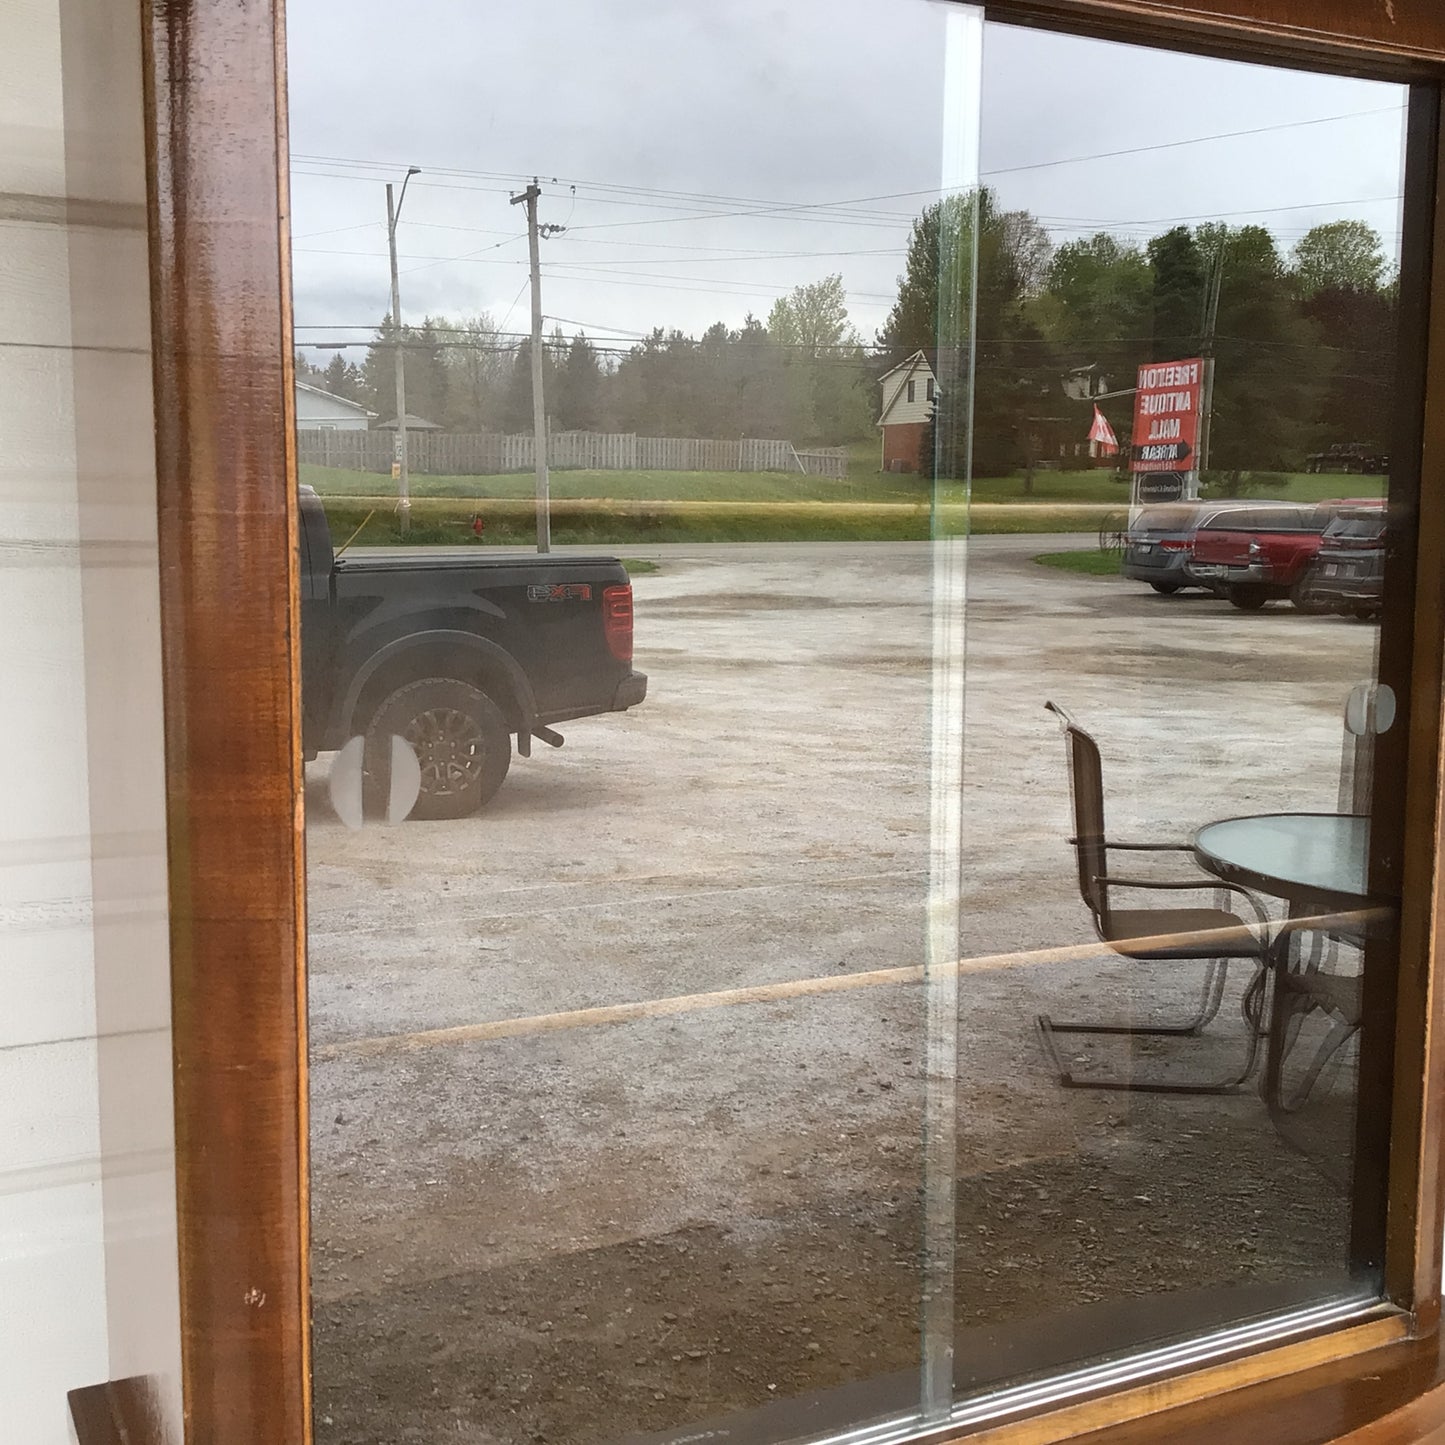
(1354, 458)
(1260, 553)
(456, 653)
(1348, 573)
(1160, 539)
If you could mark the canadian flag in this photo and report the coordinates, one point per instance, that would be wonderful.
(1103, 433)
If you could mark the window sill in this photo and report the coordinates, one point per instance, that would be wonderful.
(1390, 1395)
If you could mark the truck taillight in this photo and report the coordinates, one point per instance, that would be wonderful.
(1174, 544)
(617, 621)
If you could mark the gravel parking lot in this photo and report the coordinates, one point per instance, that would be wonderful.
(680, 1217)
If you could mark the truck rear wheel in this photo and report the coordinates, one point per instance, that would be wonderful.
(1304, 599)
(1247, 599)
(460, 739)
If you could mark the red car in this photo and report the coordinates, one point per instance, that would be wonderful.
(1253, 556)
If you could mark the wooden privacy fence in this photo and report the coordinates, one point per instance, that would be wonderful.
(467, 454)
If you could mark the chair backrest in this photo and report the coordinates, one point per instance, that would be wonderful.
(1369, 711)
(1086, 784)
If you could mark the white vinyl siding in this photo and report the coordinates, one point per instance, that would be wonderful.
(88, 1258)
(896, 406)
(319, 409)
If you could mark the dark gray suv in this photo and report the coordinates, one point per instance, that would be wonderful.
(1160, 540)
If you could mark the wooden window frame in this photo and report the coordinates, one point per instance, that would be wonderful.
(225, 428)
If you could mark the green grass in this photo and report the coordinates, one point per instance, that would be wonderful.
(864, 483)
(640, 566)
(1092, 562)
(630, 486)
(617, 525)
(1330, 487)
(613, 509)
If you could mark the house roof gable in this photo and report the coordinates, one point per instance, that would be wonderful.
(332, 396)
(910, 366)
(907, 361)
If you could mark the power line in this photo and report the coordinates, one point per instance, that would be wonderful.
(729, 260)
(467, 256)
(1192, 141)
(336, 230)
(567, 270)
(620, 333)
(672, 199)
(599, 333)
(722, 252)
(516, 299)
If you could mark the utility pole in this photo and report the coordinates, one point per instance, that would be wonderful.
(539, 408)
(1211, 324)
(399, 467)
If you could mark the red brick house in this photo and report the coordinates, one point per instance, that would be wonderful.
(909, 391)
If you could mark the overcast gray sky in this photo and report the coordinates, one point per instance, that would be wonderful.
(708, 159)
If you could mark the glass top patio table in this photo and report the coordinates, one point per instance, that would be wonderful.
(1312, 860)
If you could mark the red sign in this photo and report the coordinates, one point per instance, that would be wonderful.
(1166, 416)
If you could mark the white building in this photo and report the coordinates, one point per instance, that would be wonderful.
(909, 392)
(318, 410)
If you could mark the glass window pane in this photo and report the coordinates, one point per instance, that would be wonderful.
(781, 1056)
(1220, 282)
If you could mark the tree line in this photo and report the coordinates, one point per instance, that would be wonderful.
(804, 375)
(1303, 343)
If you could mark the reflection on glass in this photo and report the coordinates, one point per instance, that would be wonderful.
(1193, 330)
(813, 1041)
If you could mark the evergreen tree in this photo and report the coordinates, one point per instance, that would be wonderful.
(516, 401)
(307, 372)
(578, 405)
(378, 372)
(1271, 370)
(339, 378)
(968, 289)
(427, 381)
(1178, 273)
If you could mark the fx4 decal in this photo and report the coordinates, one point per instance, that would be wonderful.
(559, 592)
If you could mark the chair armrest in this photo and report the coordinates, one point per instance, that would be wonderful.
(1212, 884)
(1152, 847)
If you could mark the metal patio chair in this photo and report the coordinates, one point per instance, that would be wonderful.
(1339, 998)
(1314, 986)
(1214, 936)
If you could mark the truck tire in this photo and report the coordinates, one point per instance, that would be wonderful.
(1303, 599)
(1166, 589)
(1247, 599)
(460, 739)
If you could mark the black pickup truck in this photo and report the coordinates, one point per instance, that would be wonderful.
(1352, 458)
(455, 653)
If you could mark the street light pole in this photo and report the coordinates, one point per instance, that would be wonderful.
(403, 474)
(539, 410)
